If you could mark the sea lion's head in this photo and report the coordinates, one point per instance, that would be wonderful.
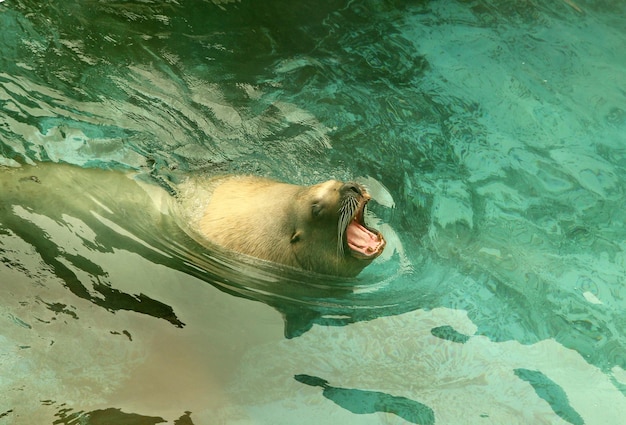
(330, 234)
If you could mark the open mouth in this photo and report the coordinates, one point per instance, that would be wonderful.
(363, 241)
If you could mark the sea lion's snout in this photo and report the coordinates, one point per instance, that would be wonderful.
(353, 189)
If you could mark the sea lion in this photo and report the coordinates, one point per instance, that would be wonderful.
(319, 228)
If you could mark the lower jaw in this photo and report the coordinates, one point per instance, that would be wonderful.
(363, 257)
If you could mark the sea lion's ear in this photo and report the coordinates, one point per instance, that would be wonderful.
(296, 236)
(316, 209)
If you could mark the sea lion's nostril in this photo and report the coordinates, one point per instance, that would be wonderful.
(354, 187)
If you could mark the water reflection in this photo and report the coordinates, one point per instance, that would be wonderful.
(497, 129)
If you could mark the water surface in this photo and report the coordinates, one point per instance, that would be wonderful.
(492, 133)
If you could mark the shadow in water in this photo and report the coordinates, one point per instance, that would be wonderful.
(552, 393)
(450, 334)
(109, 416)
(108, 297)
(364, 402)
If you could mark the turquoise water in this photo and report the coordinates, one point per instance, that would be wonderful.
(492, 133)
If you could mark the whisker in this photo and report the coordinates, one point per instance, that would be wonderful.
(347, 210)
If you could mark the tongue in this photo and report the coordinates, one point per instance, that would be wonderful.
(362, 240)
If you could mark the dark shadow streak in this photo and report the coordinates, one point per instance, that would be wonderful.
(112, 300)
(364, 402)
